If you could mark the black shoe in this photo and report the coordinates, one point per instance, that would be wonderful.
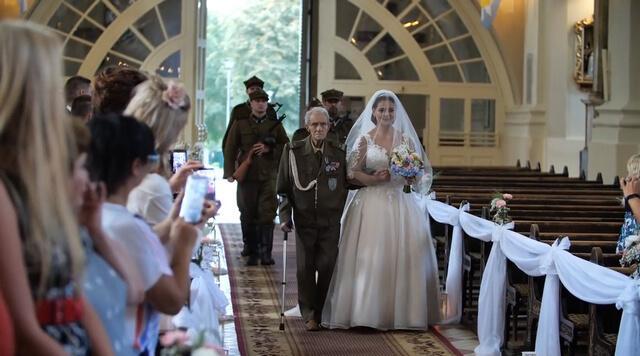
(268, 261)
(245, 251)
(253, 261)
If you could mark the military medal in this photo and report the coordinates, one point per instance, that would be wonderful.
(331, 168)
(333, 183)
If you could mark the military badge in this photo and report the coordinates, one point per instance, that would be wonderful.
(331, 168)
(333, 183)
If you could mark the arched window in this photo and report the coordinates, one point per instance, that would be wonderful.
(432, 53)
(156, 36)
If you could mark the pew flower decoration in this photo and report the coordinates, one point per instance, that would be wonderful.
(499, 208)
(631, 253)
(406, 163)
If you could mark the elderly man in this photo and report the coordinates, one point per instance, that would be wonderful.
(339, 125)
(312, 184)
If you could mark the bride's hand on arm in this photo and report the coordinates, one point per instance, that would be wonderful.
(377, 177)
(382, 176)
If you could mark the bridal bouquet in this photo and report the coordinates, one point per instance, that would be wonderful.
(406, 163)
(499, 208)
(631, 253)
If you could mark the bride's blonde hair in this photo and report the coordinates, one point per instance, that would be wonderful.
(35, 141)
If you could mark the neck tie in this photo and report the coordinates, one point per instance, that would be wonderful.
(319, 157)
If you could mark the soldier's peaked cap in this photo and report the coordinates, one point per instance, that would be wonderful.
(331, 94)
(253, 81)
(259, 94)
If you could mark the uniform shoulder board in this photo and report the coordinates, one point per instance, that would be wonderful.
(297, 144)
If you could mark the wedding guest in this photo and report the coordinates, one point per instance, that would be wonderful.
(121, 155)
(113, 89)
(82, 108)
(41, 256)
(7, 341)
(630, 186)
(312, 182)
(110, 279)
(164, 106)
(74, 87)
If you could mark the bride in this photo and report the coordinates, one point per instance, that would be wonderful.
(386, 275)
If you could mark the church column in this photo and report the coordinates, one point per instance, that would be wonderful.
(616, 130)
(524, 130)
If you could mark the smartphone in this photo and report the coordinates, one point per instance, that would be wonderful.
(177, 159)
(209, 173)
(195, 191)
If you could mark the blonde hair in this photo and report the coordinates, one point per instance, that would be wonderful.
(633, 165)
(163, 113)
(35, 139)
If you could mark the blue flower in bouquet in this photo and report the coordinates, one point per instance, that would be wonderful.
(406, 163)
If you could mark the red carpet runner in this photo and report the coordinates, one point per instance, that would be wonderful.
(256, 293)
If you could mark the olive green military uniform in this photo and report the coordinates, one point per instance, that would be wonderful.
(256, 195)
(316, 214)
(338, 131)
(243, 111)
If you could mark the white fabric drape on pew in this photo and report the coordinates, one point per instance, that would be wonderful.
(453, 285)
(585, 280)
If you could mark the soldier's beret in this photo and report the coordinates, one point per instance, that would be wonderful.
(258, 94)
(254, 81)
(331, 94)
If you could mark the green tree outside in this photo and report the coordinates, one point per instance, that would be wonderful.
(260, 37)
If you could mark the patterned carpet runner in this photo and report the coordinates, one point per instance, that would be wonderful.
(256, 293)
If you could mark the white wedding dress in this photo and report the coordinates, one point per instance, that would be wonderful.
(386, 275)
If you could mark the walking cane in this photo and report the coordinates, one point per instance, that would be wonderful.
(284, 275)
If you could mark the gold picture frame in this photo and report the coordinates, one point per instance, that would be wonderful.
(584, 69)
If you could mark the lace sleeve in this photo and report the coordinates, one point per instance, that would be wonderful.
(357, 158)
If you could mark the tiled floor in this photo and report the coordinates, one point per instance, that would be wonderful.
(460, 337)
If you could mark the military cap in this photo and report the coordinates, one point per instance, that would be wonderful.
(314, 103)
(331, 94)
(254, 81)
(258, 94)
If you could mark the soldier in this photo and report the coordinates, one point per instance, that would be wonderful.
(243, 110)
(340, 125)
(256, 144)
(312, 183)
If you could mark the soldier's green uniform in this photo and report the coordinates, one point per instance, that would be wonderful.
(316, 214)
(256, 195)
(243, 110)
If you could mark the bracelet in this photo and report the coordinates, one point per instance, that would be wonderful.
(629, 197)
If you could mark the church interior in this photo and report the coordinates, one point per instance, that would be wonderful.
(525, 113)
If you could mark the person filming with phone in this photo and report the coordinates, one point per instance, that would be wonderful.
(254, 145)
(164, 106)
